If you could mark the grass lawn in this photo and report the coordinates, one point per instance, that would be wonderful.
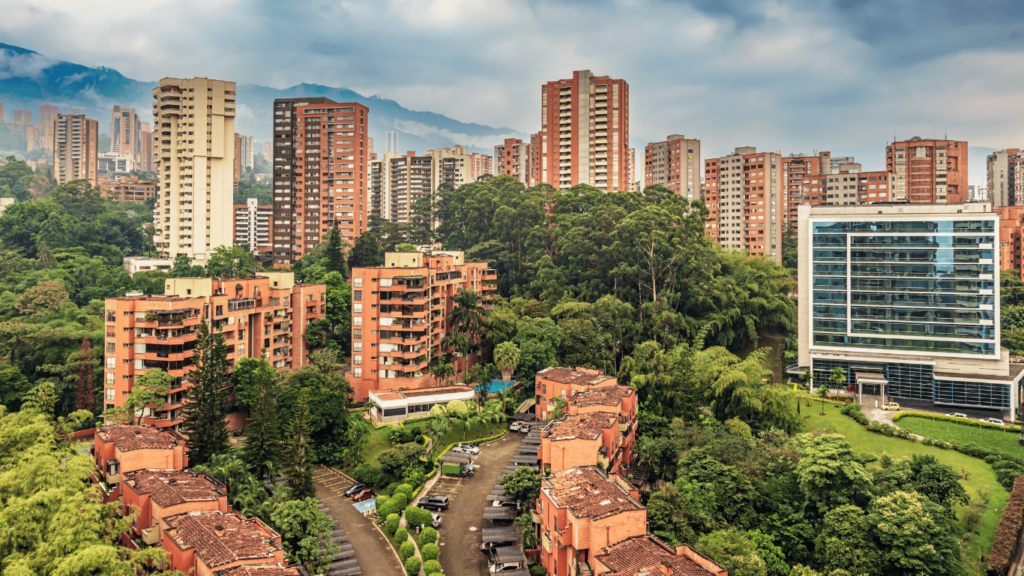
(770, 337)
(457, 434)
(380, 440)
(1003, 441)
(980, 475)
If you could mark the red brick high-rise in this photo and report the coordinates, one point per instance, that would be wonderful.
(585, 132)
(320, 159)
(743, 194)
(512, 158)
(674, 164)
(799, 185)
(928, 171)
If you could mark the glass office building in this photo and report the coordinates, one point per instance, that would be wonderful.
(905, 299)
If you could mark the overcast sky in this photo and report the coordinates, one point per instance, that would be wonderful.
(787, 75)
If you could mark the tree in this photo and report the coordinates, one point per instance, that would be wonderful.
(305, 533)
(823, 394)
(86, 396)
(506, 358)
(913, 536)
(13, 387)
(397, 459)
(41, 299)
(938, 482)
(206, 404)
(183, 268)
(733, 551)
(837, 377)
(150, 388)
(523, 485)
(844, 542)
(829, 473)
(297, 468)
(335, 254)
(772, 556)
(441, 372)
(262, 442)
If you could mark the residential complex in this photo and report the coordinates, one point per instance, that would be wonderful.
(196, 122)
(457, 166)
(556, 382)
(252, 225)
(743, 193)
(75, 156)
(121, 449)
(147, 139)
(512, 158)
(584, 136)
(391, 141)
(154, 494)
(320, 180)
(247, 150)
(674, 164)
(928, 171)
(397, 182)
(125, 132)
(268, 313)
(801, 178)
(1011, 238)
(1005, 177)
(399, 314)
(905, 298)
(128, 188)
(201, 542)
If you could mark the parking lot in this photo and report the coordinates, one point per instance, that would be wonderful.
(462, 522)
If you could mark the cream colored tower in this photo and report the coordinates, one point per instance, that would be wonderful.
(194, 123)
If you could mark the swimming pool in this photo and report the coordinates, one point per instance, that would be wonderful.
(496, 386)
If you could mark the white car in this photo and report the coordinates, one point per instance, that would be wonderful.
(466, 449)
(514, 427)
(957, 415)
(437, 520)
(494, 568)
(995, 421)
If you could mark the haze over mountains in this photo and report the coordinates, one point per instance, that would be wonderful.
(29, 79)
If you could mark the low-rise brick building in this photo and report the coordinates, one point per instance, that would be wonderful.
(581, 440)
(262, 570)
(648, 555)
(200, 543)
(558, 382)
(152, 495)
(121, 449)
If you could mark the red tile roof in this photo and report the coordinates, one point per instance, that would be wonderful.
(646, 555)
(584, 377)
(240, 539)
(604, 396)
(130, 437)
(259, 570)
(588, 493)
(171, 487)
(585, 426)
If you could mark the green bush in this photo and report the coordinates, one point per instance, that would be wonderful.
(959, 421)
(406, 489)
(391, 523)
(367, 474)
(428, 536)
(432, 567)
(418, 517)
(890, 431)
(853, 411)
(430, 552)
(402, 535)
(400, 500)
(406, 550)
(388, 507)
(392, 488)
(412, 566)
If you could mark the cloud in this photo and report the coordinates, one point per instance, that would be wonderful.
(14, 65)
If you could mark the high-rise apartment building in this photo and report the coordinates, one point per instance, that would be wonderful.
(512, 158)
(247, 146)
(674, 164)
(195, 120)
(128, 188)
(397, 182)
(839, 161)
(457, 166)
(267, 312)
(74, 149)
(928, 171)
(1011, 238)
(268, 151)
(47, 118)
(800, 180)
(23, 117)
(146, 141)
(632, 169)
(842, 184)
(398, 317)
(2, 117)
(391, 141)
(236, 166)
(905, 299)
(319, 174)
(873, 187)
(743, 193)
(585, 132)
(536, 164)
(1001, 176)
(125, 126)
(252, 225)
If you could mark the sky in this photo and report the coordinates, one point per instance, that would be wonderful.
(793, 76)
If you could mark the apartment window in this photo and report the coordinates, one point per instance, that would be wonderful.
(357, 295)
(357, 320)
(357, 282)
(357, 372)
(357, 359)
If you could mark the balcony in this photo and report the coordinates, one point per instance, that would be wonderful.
(151, 535)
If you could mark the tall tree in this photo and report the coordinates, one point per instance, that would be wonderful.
(506, 358)
(85, 399)
(297, 466)
(335, 254)
(150, 389)
(207, 399)
(305, 533)
(262, 443)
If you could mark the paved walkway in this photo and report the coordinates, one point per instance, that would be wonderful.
(373, 551)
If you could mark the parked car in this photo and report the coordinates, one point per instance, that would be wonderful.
(436, 502)
(957, 415)
(891, 406)
(437, 520)
(486, 547)
(514, 427)
(995, 421)
(524, 428)
(457, 450)
(364, 494)
(354, 488)
(498, 503)
(495, 568)
(467, 449)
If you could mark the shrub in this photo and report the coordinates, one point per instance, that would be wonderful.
(387, 507)
(413, 476)
(400, 500)
(402, 535)
(367, 474)
(391, 523)
(412, 566)
(430, 552)
(428, 536)
(406, 489)
(432, 567)
(406, 550)
(537, 570)
(418, 517)
(392, 487)
(1004, 547)
(853, 411)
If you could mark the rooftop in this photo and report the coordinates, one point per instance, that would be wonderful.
(260, 570)
(643, 555)
(129, 437)
(604, 396)
(172, 487)
(581, 376)
(588, 493)
(586, 426)
(223, 538)
(392, 394)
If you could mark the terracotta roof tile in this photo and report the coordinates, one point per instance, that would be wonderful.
(130, 437)
(646, 555)
(241, 538)
(604, 396)
(171, 487)
(585, 426)
(259, 570)
(583, 377)
(588, 493)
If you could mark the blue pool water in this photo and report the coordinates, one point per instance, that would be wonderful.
(499, 385)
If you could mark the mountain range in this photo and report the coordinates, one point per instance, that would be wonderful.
(29, 79)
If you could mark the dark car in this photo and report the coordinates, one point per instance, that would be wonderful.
(354, 488)
(436, 502)
(364, 494)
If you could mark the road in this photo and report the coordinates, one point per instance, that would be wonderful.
(461, 523)
(373, 552)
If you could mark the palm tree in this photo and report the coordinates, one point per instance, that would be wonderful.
(441, 371)
(457, 342)
(822, 393)
(506, 358)
(838, 377)
(504, 396)
(806, 377)
(467, 317)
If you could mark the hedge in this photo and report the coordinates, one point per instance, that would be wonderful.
(960, 421)
(432, 567)
(853, 411)
(429, 536)
(391, 523)
(1004, 547)
(400, 500)
(430, 552)
(367, 474)
(401, 535)
(418, 517)
(412, 566)
(406, 550)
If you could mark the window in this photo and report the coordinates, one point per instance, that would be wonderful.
(357, 320)
(357, 372)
